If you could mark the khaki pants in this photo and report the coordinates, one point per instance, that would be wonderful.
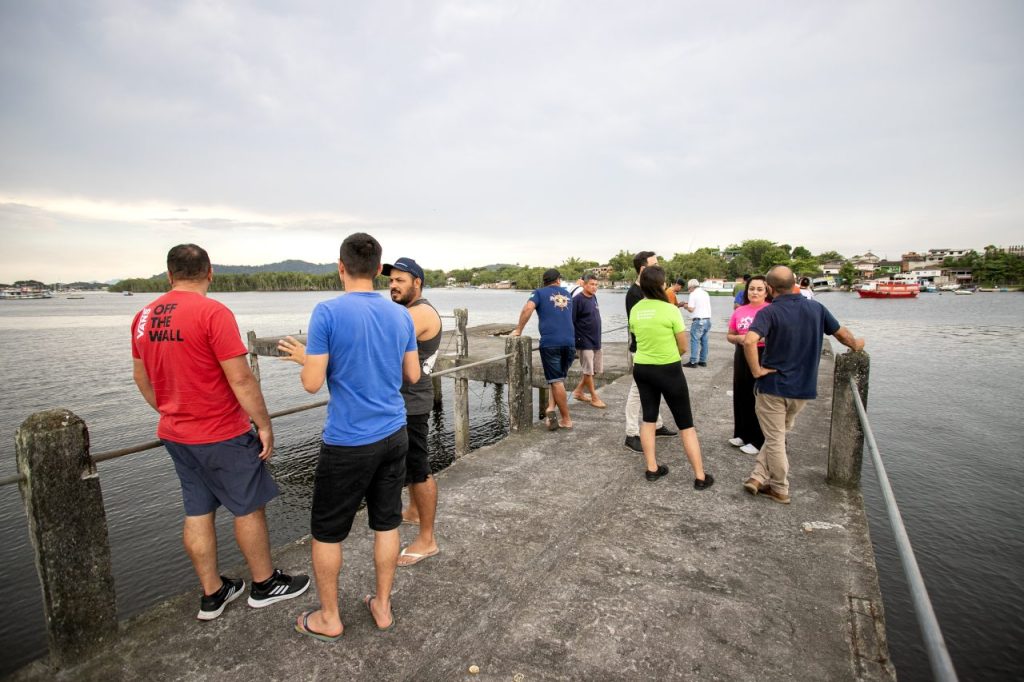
(633, 408)
(776, 416)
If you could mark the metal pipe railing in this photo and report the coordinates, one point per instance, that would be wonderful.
(935, 645)
(149, 445)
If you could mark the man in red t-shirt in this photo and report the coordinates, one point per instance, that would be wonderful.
(189, 365)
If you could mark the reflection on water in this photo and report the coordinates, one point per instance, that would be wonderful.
(944, 400)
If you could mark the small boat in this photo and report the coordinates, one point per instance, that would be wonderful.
(887, 288)
(24, 293)
(717, 287)
(963, 292)
(128, 293)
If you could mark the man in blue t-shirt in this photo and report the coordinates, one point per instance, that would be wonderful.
(787, 375)
(586, 320)
(557, 342)
(361, 345)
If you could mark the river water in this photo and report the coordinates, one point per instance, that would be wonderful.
(945, 398)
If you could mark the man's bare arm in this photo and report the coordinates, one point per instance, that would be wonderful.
(524, 317)
(425, 321)
(250, 397)
(846, 337)
(142, 381)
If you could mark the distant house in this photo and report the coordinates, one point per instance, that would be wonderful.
(865, 265)
(888, 267)
(831, 268)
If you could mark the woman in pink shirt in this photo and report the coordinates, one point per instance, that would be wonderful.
(746, 431)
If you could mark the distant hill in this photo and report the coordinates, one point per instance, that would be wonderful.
(282, 266)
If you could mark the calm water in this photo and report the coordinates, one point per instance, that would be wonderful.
(944, 402)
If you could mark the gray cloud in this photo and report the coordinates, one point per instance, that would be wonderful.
(552, 129)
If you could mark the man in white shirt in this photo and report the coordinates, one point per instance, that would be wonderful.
(699, 305)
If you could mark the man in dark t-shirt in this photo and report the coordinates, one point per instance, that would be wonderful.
(641, 260)
(557, 342)
(586, 320)
(787, 375)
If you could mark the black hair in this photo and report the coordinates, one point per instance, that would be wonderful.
(640, 259)
(652, 282)
(589, 276)
(746, 297)
(188, 262)
(360, 254)
(805, 281)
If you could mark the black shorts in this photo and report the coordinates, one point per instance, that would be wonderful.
(556, 361)
(346, 474)
(655, 382)
(417, 462)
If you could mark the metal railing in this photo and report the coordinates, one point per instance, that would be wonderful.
(935, 645)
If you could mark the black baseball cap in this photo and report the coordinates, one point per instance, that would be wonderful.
(404, 265)
(551, 276)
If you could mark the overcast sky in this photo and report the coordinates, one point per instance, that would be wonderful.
(467, 133)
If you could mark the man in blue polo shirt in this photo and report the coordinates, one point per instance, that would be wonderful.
(557, 342)
(787, 375)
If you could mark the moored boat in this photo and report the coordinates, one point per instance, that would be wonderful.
(24, 293)
(884, 288)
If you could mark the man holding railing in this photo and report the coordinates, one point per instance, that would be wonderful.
(787, 375)
(189, 365)
(362, 346)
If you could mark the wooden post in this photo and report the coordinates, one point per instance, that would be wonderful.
(438, 397)
(846, 437)
(254, 359)
(461, 405)
(68, 529)
(520, 382)
(542, 403)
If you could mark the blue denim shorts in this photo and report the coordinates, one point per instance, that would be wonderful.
(556, 361)
(228, 473)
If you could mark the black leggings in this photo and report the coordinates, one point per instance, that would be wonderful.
(655, 382)
(744, 420)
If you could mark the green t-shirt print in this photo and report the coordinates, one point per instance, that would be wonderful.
(655, 325)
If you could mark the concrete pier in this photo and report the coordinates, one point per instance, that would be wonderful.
(559, 561)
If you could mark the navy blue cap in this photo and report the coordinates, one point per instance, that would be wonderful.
(404, 265)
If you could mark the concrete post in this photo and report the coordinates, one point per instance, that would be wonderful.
(254, 359)
(68, 528)
(520, 382)
(542, 403)
(846, 437)
(461, 402)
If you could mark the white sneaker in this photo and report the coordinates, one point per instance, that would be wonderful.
(736, 442)
(749, 449)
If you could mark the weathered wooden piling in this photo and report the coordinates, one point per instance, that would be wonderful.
(846, 436)
(461, 406)
(68, 528)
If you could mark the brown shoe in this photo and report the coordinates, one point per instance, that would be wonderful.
(753, 486)
(781, 498)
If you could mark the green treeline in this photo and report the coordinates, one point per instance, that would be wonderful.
(993, 267)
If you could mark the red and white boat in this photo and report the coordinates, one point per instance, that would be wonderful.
(887, 288)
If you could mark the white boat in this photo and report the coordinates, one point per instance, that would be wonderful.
(963, 292)
(717, 287)
(24, 293)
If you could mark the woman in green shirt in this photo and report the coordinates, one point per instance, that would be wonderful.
(660, 342)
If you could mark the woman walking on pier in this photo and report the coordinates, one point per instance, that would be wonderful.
(661, 341)
(746, 430)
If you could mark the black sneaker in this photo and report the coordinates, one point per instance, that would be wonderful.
(655, 475)
(708, 481)
(702, 364)
(665, 431)
(277, 587)
(633, 443)
(690, 365)
(211, 606)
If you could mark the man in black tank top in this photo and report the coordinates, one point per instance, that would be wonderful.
(406, 285)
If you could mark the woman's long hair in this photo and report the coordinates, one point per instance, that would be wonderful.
(767, 297)
(652, 282)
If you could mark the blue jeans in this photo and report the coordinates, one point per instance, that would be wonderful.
(699, 340)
